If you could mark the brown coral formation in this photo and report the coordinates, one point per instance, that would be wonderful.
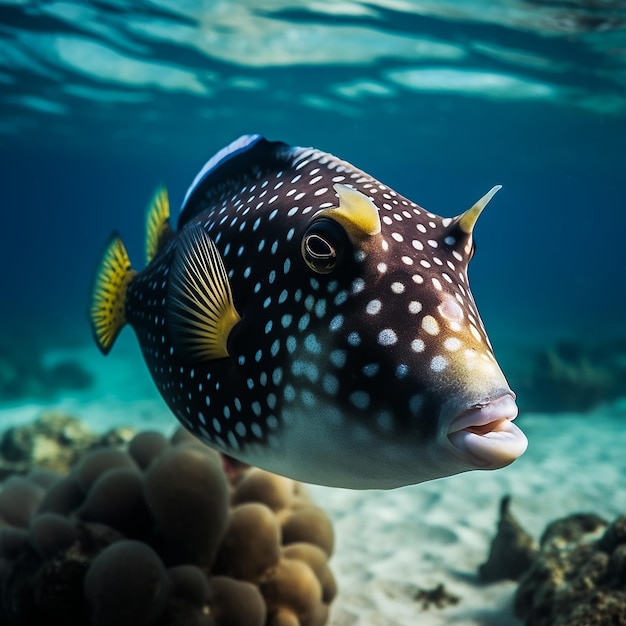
(579, 575)
(156, 533)
(54, 441)
(512, 550)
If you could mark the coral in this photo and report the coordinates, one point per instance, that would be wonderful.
(438, 596)
(161, 532)
(54, 442)
(512, 550)
(579, 575)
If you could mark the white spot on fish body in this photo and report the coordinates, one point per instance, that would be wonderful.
(289, 393)
(312, 345)
(387, 337)
(320, 308)
(330, 384)
(430, 325)
(358, 284)
(354, 339)
(304, 322)
(402, 370)
(417, 345)
(336, 323)
(475, 332)
(360, 399)
(371, 369)
(373, 307)
(438, 363)
(338, 358)
(275, 347)
(415, 403)
(452, 344)
(341, 298)
(308, 398)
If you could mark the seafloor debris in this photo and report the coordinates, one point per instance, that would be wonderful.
(579, 575)
(438, 596)
(155, 534)
(54, 441)
(512, 550)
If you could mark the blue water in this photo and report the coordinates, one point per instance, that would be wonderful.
(99, 103)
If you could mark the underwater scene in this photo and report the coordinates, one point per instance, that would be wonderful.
(243, 377)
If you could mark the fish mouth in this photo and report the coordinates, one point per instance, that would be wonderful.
(485, 435)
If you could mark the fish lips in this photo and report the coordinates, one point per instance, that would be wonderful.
(484, 435)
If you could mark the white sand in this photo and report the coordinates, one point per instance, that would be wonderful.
(389, 544)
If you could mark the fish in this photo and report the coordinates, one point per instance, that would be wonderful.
(305, 318)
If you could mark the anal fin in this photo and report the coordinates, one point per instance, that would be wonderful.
(200, 300)
(158, 229)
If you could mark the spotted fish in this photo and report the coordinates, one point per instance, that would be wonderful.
(307, 319)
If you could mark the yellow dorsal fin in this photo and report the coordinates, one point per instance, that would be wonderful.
(200, 298)
(158, 229)
(356, 213)
(467, 220)
(108, 293)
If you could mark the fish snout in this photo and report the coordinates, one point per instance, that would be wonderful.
(484, 434)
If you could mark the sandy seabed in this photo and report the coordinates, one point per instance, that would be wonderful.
(391, 544)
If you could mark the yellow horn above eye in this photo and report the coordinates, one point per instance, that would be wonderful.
(467, 220)
(356, 213)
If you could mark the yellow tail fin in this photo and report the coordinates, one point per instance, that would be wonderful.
(108, 294)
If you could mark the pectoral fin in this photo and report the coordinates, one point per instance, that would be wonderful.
(200, 297)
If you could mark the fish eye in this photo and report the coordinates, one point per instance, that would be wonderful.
(323, 245)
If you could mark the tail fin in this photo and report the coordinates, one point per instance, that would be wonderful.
(108, 294)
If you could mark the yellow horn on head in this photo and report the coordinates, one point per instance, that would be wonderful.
(467, 220)
(356, 213)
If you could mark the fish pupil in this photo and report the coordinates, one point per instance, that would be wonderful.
(323, 245)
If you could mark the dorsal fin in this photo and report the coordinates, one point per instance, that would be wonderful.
(242, 160)
(158, 230)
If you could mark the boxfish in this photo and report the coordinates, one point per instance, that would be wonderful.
(305, 318)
